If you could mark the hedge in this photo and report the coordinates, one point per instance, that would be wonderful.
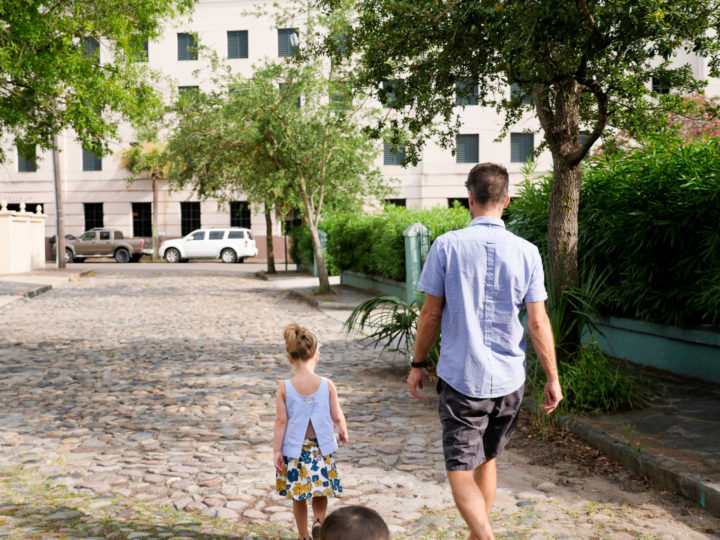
(373, 243)
(650, 218)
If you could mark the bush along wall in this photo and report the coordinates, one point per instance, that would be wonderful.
(373, 243)
(649, 219)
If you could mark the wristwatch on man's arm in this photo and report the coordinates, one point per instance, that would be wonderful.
(414, 364)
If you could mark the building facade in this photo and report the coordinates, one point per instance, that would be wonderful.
(96, 190)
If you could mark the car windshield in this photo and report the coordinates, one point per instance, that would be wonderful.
(88, 236)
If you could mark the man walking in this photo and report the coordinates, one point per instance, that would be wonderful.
(476, 281)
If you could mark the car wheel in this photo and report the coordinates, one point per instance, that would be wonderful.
(69, 257)
(228, 255)
(172, 255)
(122, 255)
(241, 259)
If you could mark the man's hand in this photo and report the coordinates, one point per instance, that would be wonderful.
(553, 396)
(415, 381)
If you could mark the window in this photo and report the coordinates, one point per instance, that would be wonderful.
(27, 157)
(92, 235)
(187, 47)
(189, 217)
(240, 214)
(341, 97)
(91, 161)
(286, 91)
(91, 48)
(142, 219)
(522, 146)
(237, 44)
(216, 235)
(517, 92)
(659, 86)
(236, 235)
(29, 207)
(397, 202)
(200, 235)
(93, 215)
(142, 50)
(188, 92)
(466, 93)
(467, 148)
(288, 41)
(463, 201)
(104, 235)
(388, 96)
(393, 154)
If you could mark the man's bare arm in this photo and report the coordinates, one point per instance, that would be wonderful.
(427, 331)
(543, 343)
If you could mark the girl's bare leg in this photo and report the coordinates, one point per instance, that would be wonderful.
(301, 514)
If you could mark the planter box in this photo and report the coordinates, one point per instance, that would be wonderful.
(693, 353)
(365, 281)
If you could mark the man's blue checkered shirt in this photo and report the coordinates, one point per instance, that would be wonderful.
(485, 273)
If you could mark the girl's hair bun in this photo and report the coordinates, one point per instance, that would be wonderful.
(300, 342)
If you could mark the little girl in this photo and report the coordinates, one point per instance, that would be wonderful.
(307, 407)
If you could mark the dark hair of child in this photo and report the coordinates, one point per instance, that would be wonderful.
(354, 523)
(300, 343)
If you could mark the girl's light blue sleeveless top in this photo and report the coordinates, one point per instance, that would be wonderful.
(304, 409)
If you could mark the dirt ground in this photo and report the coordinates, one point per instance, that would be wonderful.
(580, 468)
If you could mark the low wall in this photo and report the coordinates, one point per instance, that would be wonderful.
(22, 240)
(364, 281)
(693, 353)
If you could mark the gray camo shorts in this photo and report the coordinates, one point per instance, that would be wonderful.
(475, 429)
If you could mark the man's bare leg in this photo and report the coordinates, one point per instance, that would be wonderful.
(485, 477)
(470, 500)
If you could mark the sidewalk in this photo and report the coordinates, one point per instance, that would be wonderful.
(675, 442)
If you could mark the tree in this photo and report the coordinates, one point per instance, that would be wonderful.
(53, 78)
(282, 137)
(148, 158)
(586, 65)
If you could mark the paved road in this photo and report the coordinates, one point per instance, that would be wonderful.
(138, 403)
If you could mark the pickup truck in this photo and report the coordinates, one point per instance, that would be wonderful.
(103, 243)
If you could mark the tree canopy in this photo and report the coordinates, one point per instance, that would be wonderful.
(72, 63)
(580, 66)
(286, 137)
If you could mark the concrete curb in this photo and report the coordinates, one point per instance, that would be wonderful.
(657, 468)
(309, 298)
(661, 470)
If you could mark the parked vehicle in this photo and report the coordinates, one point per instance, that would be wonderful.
(232, 244)
(100, 242)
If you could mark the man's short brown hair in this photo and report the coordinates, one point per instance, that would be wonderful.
(488, 183)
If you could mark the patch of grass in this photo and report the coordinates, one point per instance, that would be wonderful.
(592, 384)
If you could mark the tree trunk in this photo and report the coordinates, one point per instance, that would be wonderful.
(319, 259)
(155, 181)
(59, 214)
(563, 222)
(269, 240)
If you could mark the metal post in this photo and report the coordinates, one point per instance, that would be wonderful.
(59, 217)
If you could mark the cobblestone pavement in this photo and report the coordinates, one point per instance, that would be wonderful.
(142, 406)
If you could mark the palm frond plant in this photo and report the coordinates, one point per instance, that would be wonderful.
(391, 323)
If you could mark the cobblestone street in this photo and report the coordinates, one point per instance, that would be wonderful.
(141, 405)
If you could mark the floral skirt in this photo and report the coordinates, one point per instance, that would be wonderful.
(310, 475)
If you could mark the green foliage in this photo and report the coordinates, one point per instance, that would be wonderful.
(647, 223)
(591, 384)
(390, 322)
(373, 243)
(50, 79)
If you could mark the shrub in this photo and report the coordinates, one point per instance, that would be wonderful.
(647, 223)
(374, 243)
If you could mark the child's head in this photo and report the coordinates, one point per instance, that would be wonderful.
(300, 343)
(354, 523)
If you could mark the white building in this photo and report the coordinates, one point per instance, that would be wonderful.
(96, 191)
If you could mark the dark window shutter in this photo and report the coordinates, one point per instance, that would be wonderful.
(466, 93)
(187, 46)
(27, 157)
(393, 154)
(91, 161)
(467, 148)
(522, 146)
(237, 44)
(285, 47)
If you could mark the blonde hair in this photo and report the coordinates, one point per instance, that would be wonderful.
(300, 343)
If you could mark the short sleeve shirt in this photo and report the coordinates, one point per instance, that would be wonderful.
(486, 274)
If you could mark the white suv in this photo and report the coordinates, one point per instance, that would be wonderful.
(231, 245)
